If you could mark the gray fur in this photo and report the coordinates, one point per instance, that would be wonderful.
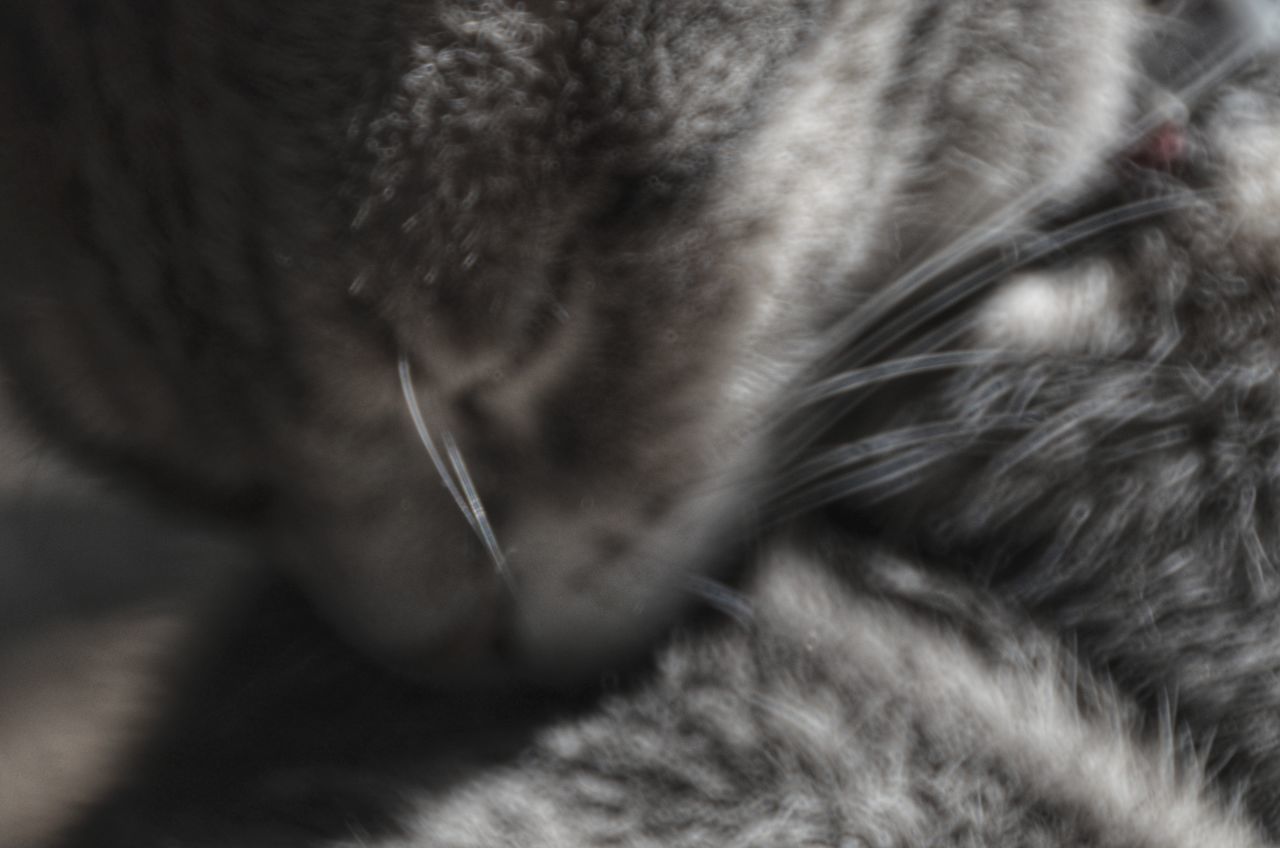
(595, 230)
(896, 711)
(648, 265)
(1123, 491)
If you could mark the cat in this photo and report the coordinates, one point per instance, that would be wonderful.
(304, 264)
(587, 240)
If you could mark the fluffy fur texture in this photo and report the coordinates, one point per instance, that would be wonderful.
(872, 704)
(893, 712)
(1120, 485)
(624, 261)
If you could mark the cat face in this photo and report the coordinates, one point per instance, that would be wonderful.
(485, 311)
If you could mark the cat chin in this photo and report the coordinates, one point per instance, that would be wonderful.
(571, 586)
(585, 612)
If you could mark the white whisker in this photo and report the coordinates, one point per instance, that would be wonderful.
(905, 308)
(873, 483)
(723, 597)
(480, 518)
(891, 330)
(469, 505)
(843, 460)
(894, 369)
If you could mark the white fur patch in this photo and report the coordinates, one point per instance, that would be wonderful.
(1249, 140)
(1074, 310)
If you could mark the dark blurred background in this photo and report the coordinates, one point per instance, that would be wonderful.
(98, 593)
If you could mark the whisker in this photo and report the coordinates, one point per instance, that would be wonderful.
(424, 435)
(1222, 63)
(469, 505)
(480, 518)
(871, 484)
(722, 597)
(927, 351)
(882, 463)
(939, 434)
(1161, 420)
(918, 316)
(1016, 255)
(894, 369)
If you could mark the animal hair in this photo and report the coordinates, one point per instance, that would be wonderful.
(822, 422)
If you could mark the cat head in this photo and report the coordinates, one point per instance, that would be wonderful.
(485, 312)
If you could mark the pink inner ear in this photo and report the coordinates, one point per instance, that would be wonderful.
(1162, 148)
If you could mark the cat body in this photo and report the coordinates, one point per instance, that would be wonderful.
(899, 712)
(875, 703)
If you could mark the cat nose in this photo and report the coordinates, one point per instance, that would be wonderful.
(1161, 149)
(1161, 138)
